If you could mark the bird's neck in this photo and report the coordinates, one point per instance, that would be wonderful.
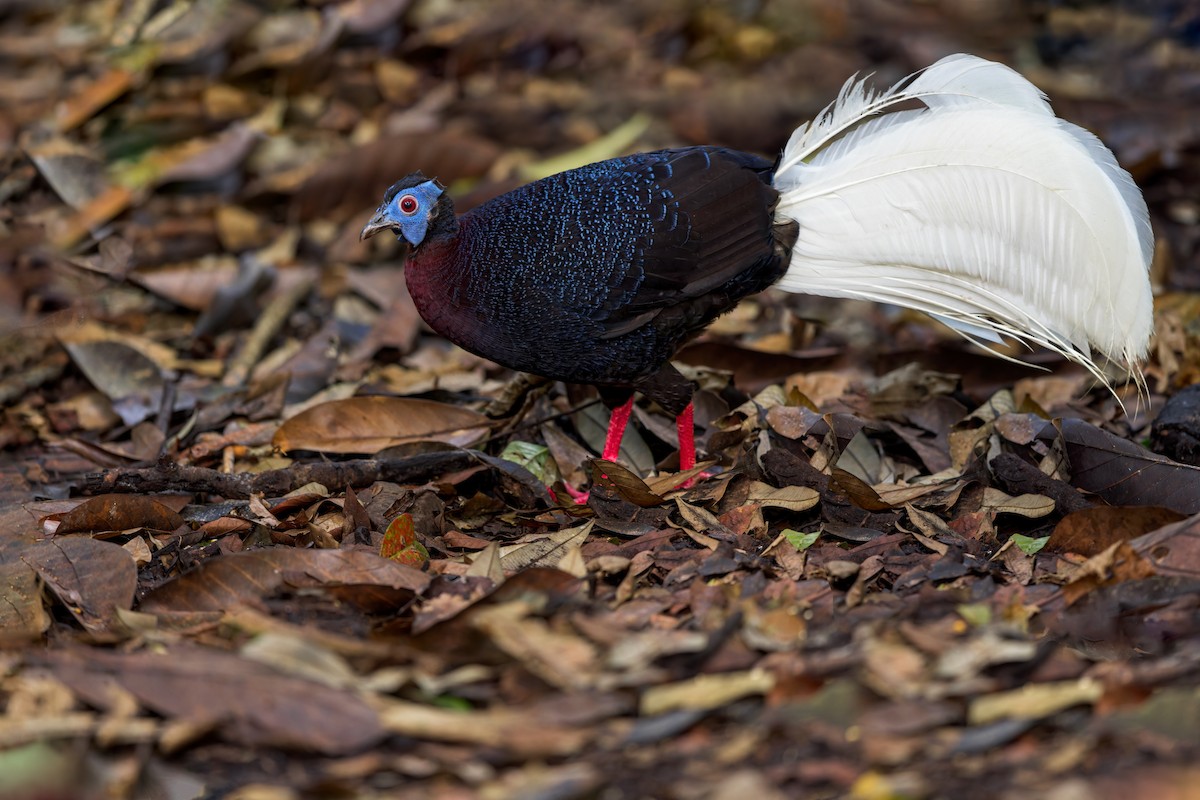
(438, 277)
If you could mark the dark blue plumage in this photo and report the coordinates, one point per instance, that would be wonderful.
(596, 275)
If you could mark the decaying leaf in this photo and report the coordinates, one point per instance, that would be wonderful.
(92, 578)
(117, 512)
(1093, 530)
(250, 578)
(248, 702)
(400, 543)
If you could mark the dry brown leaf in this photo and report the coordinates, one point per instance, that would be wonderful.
(250, 578)
(486, 564)
(1124, 473)
(95, 96)
(117, 512)
(861, 493)
(245, 702)
(1173, 549)
(23, 615)
(626, 484)
(74, 173)
(92, 578)
(370, 424)
(1093, 530)
(1119, 562)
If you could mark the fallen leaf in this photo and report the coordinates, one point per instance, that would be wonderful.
(1173, 549)
(559, 657)
(94, 96)
(629, 486)
(373, 423)
(91, 578)
(791, 498)
(1123, 472)
(250, 578)
(1035, 701)
(1031, 506)
(118, 512)
(546, 551)
(801, 541)
(513, 730)
(1029, 545)
(400, 543)
(244, 702)
(1093, 530)
(705, 691)
(23, 614)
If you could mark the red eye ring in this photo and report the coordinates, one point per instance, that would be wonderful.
(408, 204)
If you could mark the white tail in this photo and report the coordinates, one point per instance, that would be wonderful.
(980, 208)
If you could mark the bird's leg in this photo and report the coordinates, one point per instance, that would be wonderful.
(616, 430)
(687, 438)
(612, 444)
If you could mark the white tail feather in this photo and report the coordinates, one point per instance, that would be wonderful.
(982, 209)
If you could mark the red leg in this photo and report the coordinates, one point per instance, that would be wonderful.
(580, 497)
(687, 438)
(616, 430)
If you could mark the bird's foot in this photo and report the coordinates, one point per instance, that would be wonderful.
(580, 496)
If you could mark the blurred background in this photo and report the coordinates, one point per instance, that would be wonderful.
(169, 167)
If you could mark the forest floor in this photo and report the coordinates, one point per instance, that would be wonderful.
(264, 535)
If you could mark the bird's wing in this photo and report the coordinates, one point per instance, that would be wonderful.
(707, 239)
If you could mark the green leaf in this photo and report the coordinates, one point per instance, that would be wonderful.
(452, 703)
(534, 457)
(976, 614)
(1028, 544)
(801, 541)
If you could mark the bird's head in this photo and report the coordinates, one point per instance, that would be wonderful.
(408, 209)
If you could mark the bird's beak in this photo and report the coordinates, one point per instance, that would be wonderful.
(378, 223)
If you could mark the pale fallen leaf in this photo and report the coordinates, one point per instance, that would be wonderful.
(1034, 701)
(705, 691)
(1025, 505)
(510, 730)
(545, 551)
(296, 655)
(791, 498)
(965, 659)
(558, 657)
(486, 564)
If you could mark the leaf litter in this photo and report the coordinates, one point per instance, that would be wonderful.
(262, 532)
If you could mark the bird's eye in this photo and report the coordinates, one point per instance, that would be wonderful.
(408, 204)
